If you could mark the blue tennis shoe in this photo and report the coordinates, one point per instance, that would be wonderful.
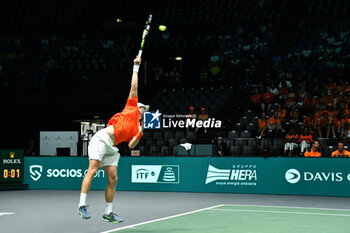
(83, 212)
(112, 217)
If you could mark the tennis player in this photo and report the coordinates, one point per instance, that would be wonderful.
(102, 150)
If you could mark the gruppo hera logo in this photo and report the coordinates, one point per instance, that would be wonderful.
(292, 176)
(35, 172)
(217, 174)
(155, 174)
(152, 120)
(239, 174)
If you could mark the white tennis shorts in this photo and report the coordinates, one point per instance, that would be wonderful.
(101, 148)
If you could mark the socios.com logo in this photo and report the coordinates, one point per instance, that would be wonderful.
(35, 172)
(152, 120)
(292, 176)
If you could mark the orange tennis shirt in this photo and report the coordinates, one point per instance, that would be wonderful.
(337, 153)
(262, 123)
(312, 154)
(307, 138)
(126, 123)
(291, 137)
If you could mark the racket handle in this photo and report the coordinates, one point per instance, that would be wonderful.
(140, 53)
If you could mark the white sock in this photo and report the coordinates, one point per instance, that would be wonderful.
(109, 207)
(82, 201)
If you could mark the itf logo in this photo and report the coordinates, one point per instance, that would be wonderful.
(152, 120)
(155, 174)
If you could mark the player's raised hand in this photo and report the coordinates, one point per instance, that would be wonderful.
(137, 61)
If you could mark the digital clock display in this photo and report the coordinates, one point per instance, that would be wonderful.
(11, 166)
(11, 174)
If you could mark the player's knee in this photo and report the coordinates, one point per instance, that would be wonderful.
(92, 172)
(113, 179)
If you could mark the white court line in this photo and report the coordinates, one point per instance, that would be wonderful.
(292, 207)
(282, 212)
(5, 213)
(160, 219)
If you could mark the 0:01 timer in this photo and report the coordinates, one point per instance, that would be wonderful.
(13, 173)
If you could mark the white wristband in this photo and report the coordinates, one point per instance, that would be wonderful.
(136, 68)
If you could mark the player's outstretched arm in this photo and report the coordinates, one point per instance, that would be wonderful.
(135, 78)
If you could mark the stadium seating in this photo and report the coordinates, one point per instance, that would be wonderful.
(74, 61)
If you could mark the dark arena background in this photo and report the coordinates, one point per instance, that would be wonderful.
(248, 127)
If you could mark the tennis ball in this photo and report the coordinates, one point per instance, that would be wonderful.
(162, 28)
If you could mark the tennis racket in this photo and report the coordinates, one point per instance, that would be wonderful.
(145, 33)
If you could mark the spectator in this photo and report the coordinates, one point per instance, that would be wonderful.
(305, 140)
(191, 115)
(221, 147)
(341, 86)
(262, 125)
(319, 147)
(267, 99)
(338, 127)
(256, 100)
(314, 150)
(283, 91)
(273, 89)
(329, 115)
(340, 152)
(302, 91)
(281, 113)
(329, 99)
(322, 124)
(274, 123)
(323, 101)
(291, 142)
(300, 103)
(293, 115)
(202, 117)
(336, 98)
(175, 76)
(291, 100)
(309, 104)
(343, 108)
(310, 122)
(347, 127)
(330, 86)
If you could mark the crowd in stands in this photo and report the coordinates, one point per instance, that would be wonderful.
(82, 53)
(302, 113)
